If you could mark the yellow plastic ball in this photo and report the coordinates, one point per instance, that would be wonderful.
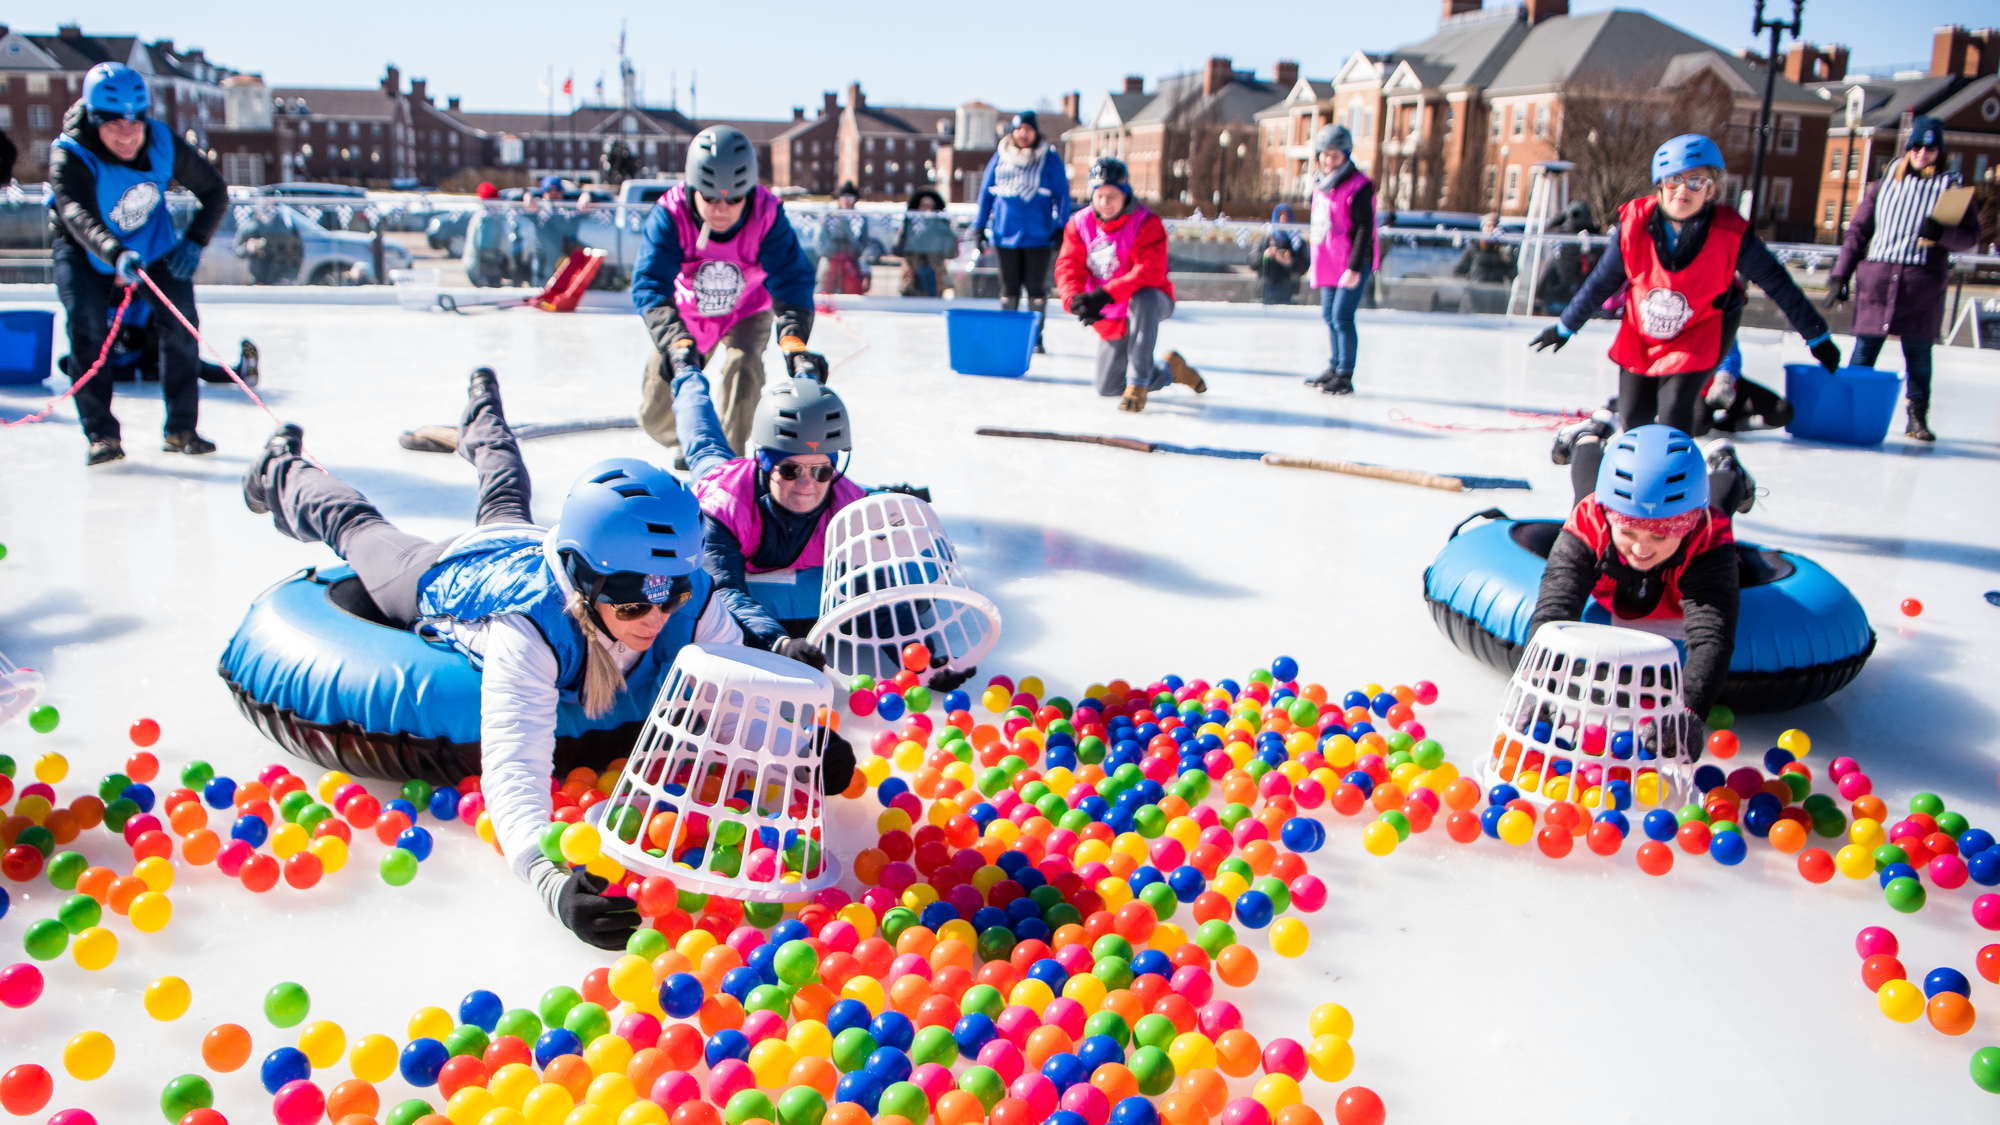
(1191, 1051)
(994, 699)
(1443, 775)
(1900, 1001)
(1276, 1091)
(1086, 990)
(168, 998)
(87, 1056)
(1114, 891)
(430, 1023)
(35, 807)
(876, 770)
(631, 978)
(608, 1054)
(289, 840)
(1557, 789)
(907, 756)
(1167, 937)
(331, 851)
(1060, 780)
(1032, 686)
(605, 868)
(1516, 827)
(469, 1105)
(51, 768)
(157, 873)
(919, 895)
(505, 1115)
(487, 833)
(694, 943)
(150, 912)
(859, 916)
(1646, 790)
(1090, 851)
(1379, 838)
(512, 1084)
(771, 1062)
(809, 1039)
(640, 1113)
(582, 843)
(1854, 861)
(1032, 994)
(868, 991)
(1796, 741)
(1339, 752)
(1231, 885)
(1289, 937)
(1330, 1057)
(1005, 831)
(1866, 831)
(95, 947)
(322, 1042)
(1331, 1019)
(373, 1058)
(329, 784)
(611, 1092)
(547, 1104)
(959, 930)
(1529, 781)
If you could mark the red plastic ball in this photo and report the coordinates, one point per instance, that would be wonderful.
(1988, 963)
(1815, 865)
(1604, 838)
(1555, 842)
(25, 1089)
(1358, 1105)
(461, 1071)
(1880, 970)
(303, 870)
(1693, 838)
(144, 733)
(1462, 826)
(21, 862)
(1655, 858)
(1722, 744)
(259, 873)
(1912, 607)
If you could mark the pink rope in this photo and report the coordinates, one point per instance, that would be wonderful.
(103, 354)
(1545, 420)
(828, 308)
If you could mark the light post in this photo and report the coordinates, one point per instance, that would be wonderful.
(1222, 165)
(1763, 135)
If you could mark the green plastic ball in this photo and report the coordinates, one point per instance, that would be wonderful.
(43, 719)
(118, 812)
(1111, 945)
(1905, 895)
(1214, 936)
(184, 1095)
(1160, 898)
(1274, 888)
(286, 1004)
(556, 1003)
(984, 1083)
(1428, 754)
(796, 963)
(1395, 819)
(933, 1044)
(1952, 824)
(1721, 717)
(65, 868)
(550, 842)
(903, 1099)
(38, 838)
(983, 998)
(111, 786)
(995, 943)
(312, 816)
(896, 921)
(196, 774)
(1887, 854)
(398, 867)
(45, 939)
(1108, 1023)
(690, 901)
(79, 913)
(918, 699)
(851, 1049)
(408, 1112)
(802, 1105)
(767, 998)
(467, 1039)
(1153, 1070)
(1150, 821)
(417, 791)
(1233, 815)
(763, 915)
(1238, 865)
(520, 1023)
(1930, 804)
(587, 1021)
(1115, 972)
(1154, 1030)
(1986, 1069)
(7, 765)
(647, 942)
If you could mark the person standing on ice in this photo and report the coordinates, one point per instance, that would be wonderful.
(588, 613)
(1343, 250)
(1024, 197)
(720, 269)
(1112, 275)
(1680, 255)
(1647, 545)
(108, 177)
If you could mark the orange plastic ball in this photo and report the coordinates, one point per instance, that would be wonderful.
(225, 1048)
(351, 1098)
(1951, 1013)
(201, 847)
(1788, 836)
(1044, 1042)
(1461, 794)
(1236, 965)
(1206, 1087)
(1116, 1081)
(1239, 1053)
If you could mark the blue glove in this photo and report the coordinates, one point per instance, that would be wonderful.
(182, 260)
(127, 268)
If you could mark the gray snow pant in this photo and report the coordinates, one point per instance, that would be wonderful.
(1128, 360)
(316, 507)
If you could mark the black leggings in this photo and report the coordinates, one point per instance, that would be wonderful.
(317, 507)
(1024, 266)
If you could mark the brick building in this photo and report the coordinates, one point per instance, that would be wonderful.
(889, 151)
(1169, 138)
(1960, 87)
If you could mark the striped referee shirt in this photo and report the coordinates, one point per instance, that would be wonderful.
(1902, 204)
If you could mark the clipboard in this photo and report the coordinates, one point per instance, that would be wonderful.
(1951, 206)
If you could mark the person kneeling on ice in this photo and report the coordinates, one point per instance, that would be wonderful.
(769, 511)
(1680, 255)
(1734, 404)
(1648, 546)
(1112, 274)
(590, 612)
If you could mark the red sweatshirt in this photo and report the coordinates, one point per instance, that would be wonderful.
(1148, 269)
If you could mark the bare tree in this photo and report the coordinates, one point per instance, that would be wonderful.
(1609, 131)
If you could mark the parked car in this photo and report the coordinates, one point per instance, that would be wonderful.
(329, 257)
(446, 230)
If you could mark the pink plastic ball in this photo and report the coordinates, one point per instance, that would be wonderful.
(1035, 1089)
(233, 855)
(674, 1089)
(1015, 1022)
(1874, 940)
(1309, 893)
(1218, 1016)
(1841, 767)
(839, 936)
(862, 702)
(1003, 1058)
(20, 985)
(933, 1080)
(1194, 984)
(1854, 785)
(744, 939)
(72, 1117)
(906, 965)
(761, 1025)
(1087, 1102)
(140, 825)
(1414, 729)
(271, 773)
(1245, 1111)
(298, 1102)
(1986, 911)
(1065, 1013)
(1947, 871)
(1286, 1057)
(640, 1030)
(1427, 692)
(729, 1078)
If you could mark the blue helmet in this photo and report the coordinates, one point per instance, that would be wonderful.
(1685, 152)
(114, 91)
(1652, 472)
(625, 515)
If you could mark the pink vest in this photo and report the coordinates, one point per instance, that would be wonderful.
(1108, 253)
(1332, 230)
(722, 283)
(729, 494)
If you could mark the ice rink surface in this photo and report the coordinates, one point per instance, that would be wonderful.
(1486, 983)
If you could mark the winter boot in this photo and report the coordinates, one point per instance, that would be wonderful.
(1134, 399)
(246, 362)
(1324, 379)
(483, 389)
(1184, 375)
(288, 441)
(1039, 305)
(1599, 425)
(1342, 384)
(1780, 415)
(188, 442)
(105, 450)
(1742, 487)
(1919, 428)
(430, 439)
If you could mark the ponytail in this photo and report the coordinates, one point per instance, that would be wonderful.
(602, 678)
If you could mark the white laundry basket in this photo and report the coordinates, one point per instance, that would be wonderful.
(729, 761)
(892, 578)
(1595, 714)
(20, 690)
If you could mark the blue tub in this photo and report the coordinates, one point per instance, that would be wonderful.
(27, 345)
(991, 341)
(1853, 406)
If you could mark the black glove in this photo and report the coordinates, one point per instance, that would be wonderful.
(1930, 229)
(683, 358)
(807, 365)
(600, 920)
(1828, 354)
(836, 764)
(923, 493)
(792, 648)
(1836, 292)
(945, 680)
(980, 243)
(1551, 337)
(1090, 303)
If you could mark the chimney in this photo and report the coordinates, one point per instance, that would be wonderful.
(1948, 50)
(417, 89)
(1218, 75)
(1808, 62)
(1539, 10)
(855, 99)
(451, 103)
(1458, 8)
(166, 45)
(70, 31)
(798, 113)
(1287, 74)
(831, 105)
(1135, 83)
(392, 82)
(1072, 105)
(1982, 55)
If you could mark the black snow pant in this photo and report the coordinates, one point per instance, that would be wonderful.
(89, 298)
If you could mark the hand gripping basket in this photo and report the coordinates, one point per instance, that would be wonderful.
(722, 793)
(1594, 714)
(891, 578)
(20, 690)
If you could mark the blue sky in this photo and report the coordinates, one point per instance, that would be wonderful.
(757, 59)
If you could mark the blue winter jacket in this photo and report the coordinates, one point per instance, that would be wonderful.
(1022, 215)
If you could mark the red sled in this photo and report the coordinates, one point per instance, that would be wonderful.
(567, 287)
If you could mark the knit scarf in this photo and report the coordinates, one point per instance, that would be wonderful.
(1018, 175)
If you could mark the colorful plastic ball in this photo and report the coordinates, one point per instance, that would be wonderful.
(25, 1089)
(1289, 937)
(1874, 939)
(20, 985)
(398, 867)
(1987, 961)
(1946, 980)
(1879, 969)
(1950, 1013)
(1904, 895)
(184, 1095)
(1816, 866)
(1380, 838)
(1655, 858)
(1728, 848)
(43, 719)
(88, 1055)
(1900, 1001)
(298, 1103)
(1911, 607)
(286, 1004)
(283, 1065)
(1358, 1105)
(1986, 1069)
(94, 948)
(1986, 911)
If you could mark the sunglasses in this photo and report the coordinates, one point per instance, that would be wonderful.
(634, 611)
(101, 118)
(732, 200)
(1692, 183)
(792, 470)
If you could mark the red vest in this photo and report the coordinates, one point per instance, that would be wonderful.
(1587, 522)
(1671, 322)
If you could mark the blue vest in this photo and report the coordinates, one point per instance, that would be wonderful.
(505, 572)
(134, 203)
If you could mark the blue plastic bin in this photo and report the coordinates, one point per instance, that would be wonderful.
(1853, 405)
(27, 345)
(991, 341)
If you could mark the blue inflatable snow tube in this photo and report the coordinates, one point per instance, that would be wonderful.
(791, 596)
(1800, 636)
(316, 667)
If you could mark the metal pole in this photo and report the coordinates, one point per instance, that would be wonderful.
(1846, 170)
(1762, 136)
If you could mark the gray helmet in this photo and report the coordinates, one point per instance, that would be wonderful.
(722, 163)
(798, 417)
(1331, 137)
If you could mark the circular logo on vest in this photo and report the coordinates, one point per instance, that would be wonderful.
(1663, 313)
(136, 206)
(717, 286)
(1103, 258)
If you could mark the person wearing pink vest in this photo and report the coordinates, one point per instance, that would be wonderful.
(1344, 253)
(719, 270)
(1112, 274)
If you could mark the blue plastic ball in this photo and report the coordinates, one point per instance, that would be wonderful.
(1758, 819)
(421, 1061)
(861, 1088)
(956, 700)
(1660, 825)
(728, 1043)
(1188, 882)
(1134, 1110)
(1984, 867)
(444, 803)
(1708, 777)
(5, 901)
(889, 707)
(1303, 834)
(140, 795)
(1489, 820)
(1066, 1117)
(1253, 909)
(1351, 699)
(973, 1031)
(888, 1065)
(937, 914)
(219, 793)
(1728, 848)
(286, 1064)
(893, 1029)
(681, 994)
(402, 806)
(559, 1041)
(1946, 980)
(1501, 794)
(1972, 841)
(1152, 962)
(845, 1014)
(737, 982)
(1360, 780)
(890, 789)
(1895, 871)
(251, 830)
(416, 841)
(1381, 703)
(1616, 819)
(1284, 668)
(1621, 744)
(482, 1009)
(1065, 1070)
(1776, 759)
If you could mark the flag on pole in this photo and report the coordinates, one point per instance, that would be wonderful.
(600, 87)
(569, 85)
(544, 84)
